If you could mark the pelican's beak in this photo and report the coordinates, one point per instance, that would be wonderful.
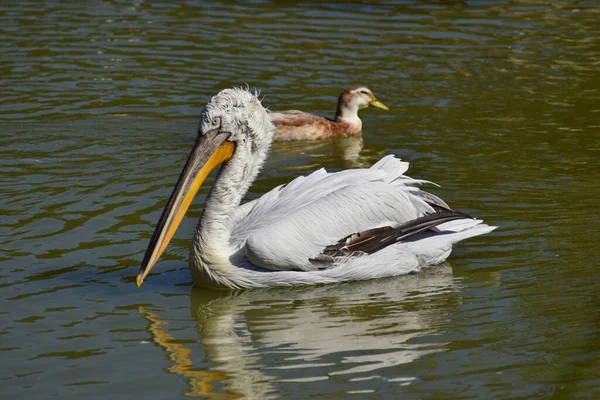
(210, 150)
(377, 104)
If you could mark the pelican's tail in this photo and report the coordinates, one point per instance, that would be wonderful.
(445, 228)
(463, 229)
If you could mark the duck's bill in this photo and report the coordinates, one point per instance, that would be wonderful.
(210, 150)
(377, 104)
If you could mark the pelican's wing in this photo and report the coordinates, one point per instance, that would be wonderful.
(292, 224)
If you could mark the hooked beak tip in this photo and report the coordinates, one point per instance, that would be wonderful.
(139, 280)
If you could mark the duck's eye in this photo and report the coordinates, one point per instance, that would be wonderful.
(364, 92)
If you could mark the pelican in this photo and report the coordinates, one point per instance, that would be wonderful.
(299, 125)
(355, 224)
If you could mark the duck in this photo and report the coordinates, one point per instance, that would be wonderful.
(300, 125)
(326, 227)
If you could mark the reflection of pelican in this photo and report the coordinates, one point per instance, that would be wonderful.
(299, 125)
(323, 228)
(248, 343)
(201, 383)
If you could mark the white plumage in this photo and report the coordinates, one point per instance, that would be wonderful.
(273, 241)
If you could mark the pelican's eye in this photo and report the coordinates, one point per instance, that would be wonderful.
(216, 122)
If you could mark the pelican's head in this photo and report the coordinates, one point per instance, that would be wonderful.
(355, 98)
(233, 126)
(239, 113)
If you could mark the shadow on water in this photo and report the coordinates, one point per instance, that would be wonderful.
(346, 332)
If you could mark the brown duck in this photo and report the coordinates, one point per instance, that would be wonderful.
(299, 125)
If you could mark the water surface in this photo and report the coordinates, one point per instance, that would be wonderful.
(498, 102)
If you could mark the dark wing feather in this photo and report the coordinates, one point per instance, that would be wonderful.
(373, 240)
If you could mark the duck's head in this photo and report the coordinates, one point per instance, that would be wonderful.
(355, 98)
(234, 128)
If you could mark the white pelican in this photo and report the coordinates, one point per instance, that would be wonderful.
(321, 228)
(299, 125)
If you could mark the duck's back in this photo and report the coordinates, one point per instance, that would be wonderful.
(299, 125)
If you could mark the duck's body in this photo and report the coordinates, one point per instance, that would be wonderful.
(300, 125)
(323, 228)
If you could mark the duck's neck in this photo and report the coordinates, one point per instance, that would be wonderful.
(211, 244)
(347, 112)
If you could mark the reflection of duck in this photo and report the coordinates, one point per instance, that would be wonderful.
(299, 125)
(324, 228)
(252, 341)
(342, 151)
(348, 149)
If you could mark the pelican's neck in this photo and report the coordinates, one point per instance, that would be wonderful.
(212, 238)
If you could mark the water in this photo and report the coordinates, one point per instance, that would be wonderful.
(499, 102)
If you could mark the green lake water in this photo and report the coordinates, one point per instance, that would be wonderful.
(496, 101)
